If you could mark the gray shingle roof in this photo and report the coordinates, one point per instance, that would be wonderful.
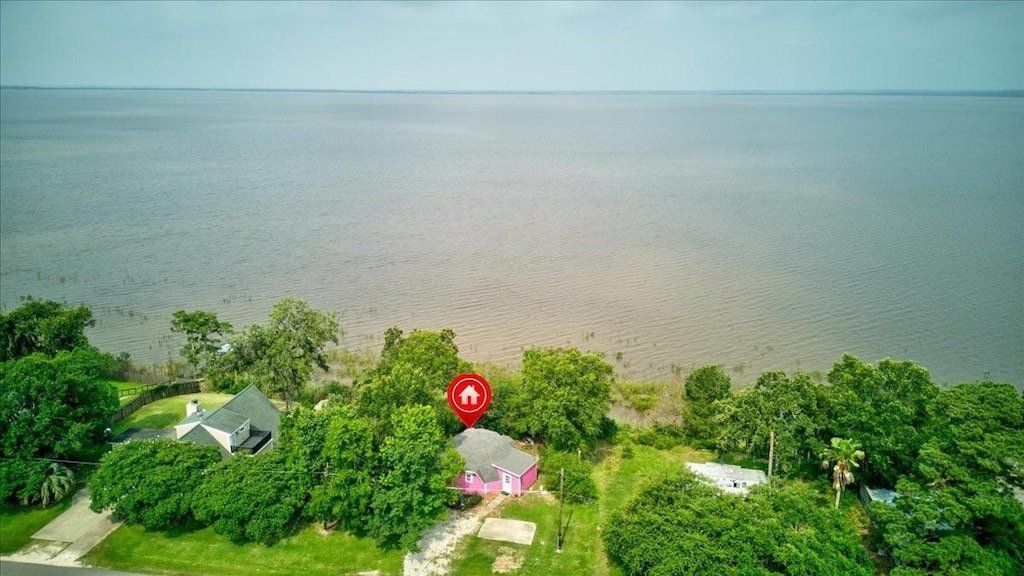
(249, 404)
(252, 404)
(224, 419)
(199, 435)
(484, 449)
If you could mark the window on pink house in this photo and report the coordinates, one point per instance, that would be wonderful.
(469, 477)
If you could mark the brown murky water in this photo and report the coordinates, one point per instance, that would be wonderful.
(754, 232)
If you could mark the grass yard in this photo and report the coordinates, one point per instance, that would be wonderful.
(582, 551)
(204, 553)
(126, 391)
(168, 412)
(18, 524)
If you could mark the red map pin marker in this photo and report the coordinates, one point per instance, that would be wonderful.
(469, 395)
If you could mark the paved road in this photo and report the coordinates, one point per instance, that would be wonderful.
(21, 569)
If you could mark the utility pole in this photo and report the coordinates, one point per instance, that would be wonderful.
(771, 452)
(561, 501)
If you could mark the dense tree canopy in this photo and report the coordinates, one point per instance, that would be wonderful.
(417, 462)
(280, 357)
(702, 388)
(884, 409)
(43, 326)
(52, 407)
(249, 498)
(566, 395)
(346, 488)
(797, 409)
(204, 335)
(679, 525)
(413, 370)
(151, 482)
(957, 511)
(330, 452)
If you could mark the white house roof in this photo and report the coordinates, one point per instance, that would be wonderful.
(729, 478)
(483, 450)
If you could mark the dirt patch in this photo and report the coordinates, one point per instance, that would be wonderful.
(508, 560)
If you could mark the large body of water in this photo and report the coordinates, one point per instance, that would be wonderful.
(750, 231)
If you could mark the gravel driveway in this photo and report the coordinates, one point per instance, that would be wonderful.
(437, 545)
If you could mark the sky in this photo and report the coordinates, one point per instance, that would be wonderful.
(570, 46)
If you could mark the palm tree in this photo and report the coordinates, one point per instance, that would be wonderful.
(58, 483)
(845, 453)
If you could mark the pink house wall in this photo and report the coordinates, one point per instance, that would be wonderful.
(478, 486)
(530, 476)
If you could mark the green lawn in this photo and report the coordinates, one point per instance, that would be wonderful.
(203, 553)
(126, 390)
(582, 551)
(168, 412)
(18, 524)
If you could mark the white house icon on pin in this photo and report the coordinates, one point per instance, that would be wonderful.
(469, 396)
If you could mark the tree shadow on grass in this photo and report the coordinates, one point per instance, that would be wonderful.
(180, 530)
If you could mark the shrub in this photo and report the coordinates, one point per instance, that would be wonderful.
(627, 451)
(579, 479)
(662, 436)
(466, 501)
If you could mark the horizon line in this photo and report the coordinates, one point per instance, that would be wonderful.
(1011, 92)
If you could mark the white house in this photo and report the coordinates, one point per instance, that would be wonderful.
(727, 477)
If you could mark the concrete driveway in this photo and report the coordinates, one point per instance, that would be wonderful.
(69, 536)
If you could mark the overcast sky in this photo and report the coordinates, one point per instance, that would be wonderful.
(516, 46)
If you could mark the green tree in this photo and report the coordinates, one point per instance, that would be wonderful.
(417, 462)
(151, 482)
(957, 512)
(797, 409)
(280, 357)
(249, 498)
(58, 484)
(204, 335)
(346, 489)
(508, 402)
(567, 394)
(579, 475)
(43, 326)
(678, 525)
(885, 410)
(702, 388)
(34, 481)
(53, 407)
(844, 454)
(303, 435)
(413, 370)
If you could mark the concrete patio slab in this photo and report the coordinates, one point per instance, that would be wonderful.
(503, 530)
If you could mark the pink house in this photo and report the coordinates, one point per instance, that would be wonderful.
(493, 464)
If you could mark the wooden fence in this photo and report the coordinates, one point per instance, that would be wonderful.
(154, 393)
